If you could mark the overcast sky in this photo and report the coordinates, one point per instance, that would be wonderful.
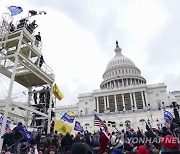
(79, 40)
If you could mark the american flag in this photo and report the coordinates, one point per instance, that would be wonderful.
(99, 122)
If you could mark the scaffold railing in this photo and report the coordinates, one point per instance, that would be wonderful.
(21, 60)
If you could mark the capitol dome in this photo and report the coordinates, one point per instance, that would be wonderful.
(121, 72)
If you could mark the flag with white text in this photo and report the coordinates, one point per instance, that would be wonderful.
(78, 127)
(168, 117)
(68, 117)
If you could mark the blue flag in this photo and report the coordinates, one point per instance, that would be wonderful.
(8, 122)
(68, 118)
(24, 132)
(78, 127)
(15, 10)
(168, 117)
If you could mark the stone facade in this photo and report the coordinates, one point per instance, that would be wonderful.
(123, 98)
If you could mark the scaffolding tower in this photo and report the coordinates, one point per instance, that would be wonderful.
(19, 61)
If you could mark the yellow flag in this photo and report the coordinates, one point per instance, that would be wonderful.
(62, 127)
(57, 93)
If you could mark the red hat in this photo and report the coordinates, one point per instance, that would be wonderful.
(142, 150)
(169, 142)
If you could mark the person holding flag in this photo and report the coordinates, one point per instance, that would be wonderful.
(104, 138)
(103, 141)
(24, 132)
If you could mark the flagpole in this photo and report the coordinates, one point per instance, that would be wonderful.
(93, 123)
(8, 10)
(116, 129)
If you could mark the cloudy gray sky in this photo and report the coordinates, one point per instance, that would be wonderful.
(79, 40)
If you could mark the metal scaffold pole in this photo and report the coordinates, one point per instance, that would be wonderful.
(8, 101)
(19, 52)
(28, 104)
(50, 107)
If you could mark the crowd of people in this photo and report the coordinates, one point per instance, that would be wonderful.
(151, 141)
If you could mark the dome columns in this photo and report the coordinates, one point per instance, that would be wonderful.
(118, 83)
(131, 101)
(143, 99)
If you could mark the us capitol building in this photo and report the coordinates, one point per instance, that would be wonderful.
(124, 99)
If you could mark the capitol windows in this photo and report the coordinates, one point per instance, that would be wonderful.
(86, 103)
(129, 81)
(114, 125)
(86, 111)
(122, 71)
(86, 125)
(159, 104)
(121, 124)
(127, 121)
(142, 121)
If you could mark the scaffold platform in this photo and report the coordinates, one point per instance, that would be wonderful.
(21, 62)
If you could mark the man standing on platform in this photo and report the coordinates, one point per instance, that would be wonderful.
(38, 39)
